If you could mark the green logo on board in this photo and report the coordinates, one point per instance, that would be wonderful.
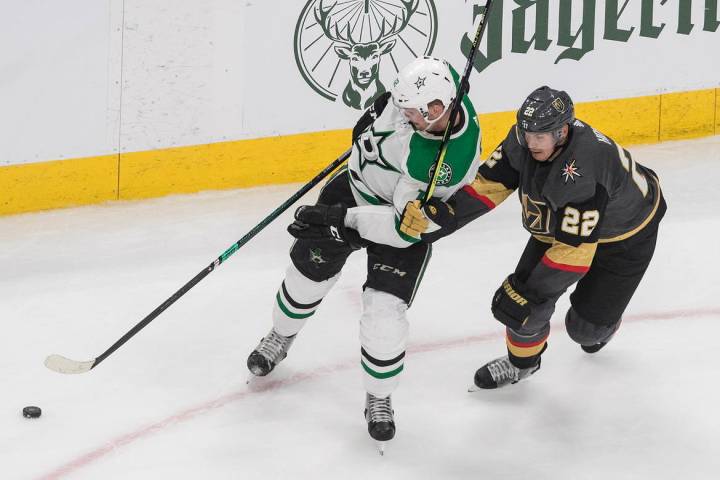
(574, 26)
(352, 48)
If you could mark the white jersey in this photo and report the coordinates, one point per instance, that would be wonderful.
(392, 164)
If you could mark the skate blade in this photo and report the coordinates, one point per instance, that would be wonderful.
(253, 377)
(381, 448)
(474, 388)
(255, 381)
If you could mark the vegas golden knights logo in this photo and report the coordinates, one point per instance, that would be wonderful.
(352, 48)
(536, 216)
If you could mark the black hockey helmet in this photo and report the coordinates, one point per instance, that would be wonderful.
(545, 110)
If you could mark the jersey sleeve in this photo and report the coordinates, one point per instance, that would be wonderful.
(575, 241)
(495, 180)
(381, 223)
(370, 115)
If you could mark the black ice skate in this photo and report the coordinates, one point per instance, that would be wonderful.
(593, 348)
(271, 350)
(379, 417)
(596, 347)
(500, 373)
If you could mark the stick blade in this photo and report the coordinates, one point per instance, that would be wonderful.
(60, 364)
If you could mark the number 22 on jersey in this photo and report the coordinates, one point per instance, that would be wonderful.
(576, 223)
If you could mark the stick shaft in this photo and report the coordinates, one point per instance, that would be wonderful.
(455, 108)
(225, 255)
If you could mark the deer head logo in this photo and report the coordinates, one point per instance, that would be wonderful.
(361, 33)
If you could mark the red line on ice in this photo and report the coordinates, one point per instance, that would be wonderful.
(192, 412)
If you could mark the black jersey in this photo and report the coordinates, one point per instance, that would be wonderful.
(590, 192)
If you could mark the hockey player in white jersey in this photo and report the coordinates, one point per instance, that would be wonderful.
(395, 144)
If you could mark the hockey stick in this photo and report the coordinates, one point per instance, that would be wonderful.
(455, 109)
(62, 364)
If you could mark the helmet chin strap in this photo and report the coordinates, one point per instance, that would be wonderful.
(431, 123)
(558, 135)
(559, 143)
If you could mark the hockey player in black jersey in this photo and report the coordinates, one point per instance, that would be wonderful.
(592, 213)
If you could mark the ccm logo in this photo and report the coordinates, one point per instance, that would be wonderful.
(388, 268)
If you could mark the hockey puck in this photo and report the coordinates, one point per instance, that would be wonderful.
(32, 412)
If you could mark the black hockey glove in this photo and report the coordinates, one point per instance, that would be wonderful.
(370, 115)
(324, 222)
(416, 220)
(510, 305)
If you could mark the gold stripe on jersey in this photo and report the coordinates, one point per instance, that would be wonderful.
(644, 222)
(496, 192)
(544, 239)
(580, 256)
(564, 254)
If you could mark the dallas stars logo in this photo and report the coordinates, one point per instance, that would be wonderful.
(372, 152)
(570, 171)
(445, 175)
(420, 82)
(316, 256)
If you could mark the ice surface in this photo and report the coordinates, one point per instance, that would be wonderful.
(173, 404)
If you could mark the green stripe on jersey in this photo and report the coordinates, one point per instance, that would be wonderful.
(290, 314)
(379, 375)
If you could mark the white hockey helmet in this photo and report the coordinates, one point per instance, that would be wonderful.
(424, 80)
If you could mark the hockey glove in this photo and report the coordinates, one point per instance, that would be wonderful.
(323, 222)
(429, 222)
(510, 305)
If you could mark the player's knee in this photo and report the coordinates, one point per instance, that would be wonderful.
(586, 332)
(315, 262)
(383, 324)
(306, 290)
